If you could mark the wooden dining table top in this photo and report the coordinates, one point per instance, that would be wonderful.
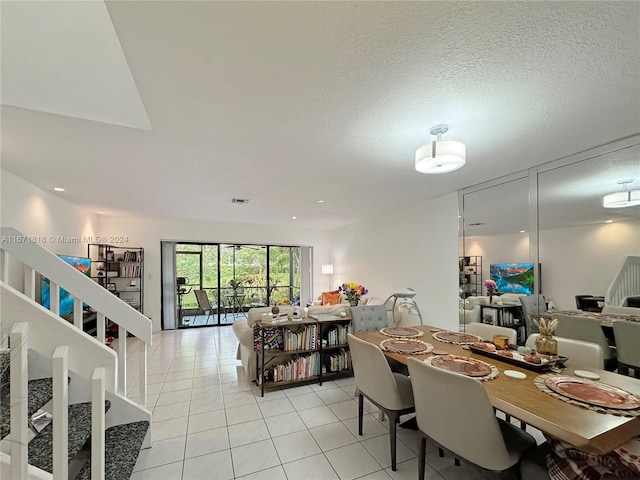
(585, 429)
(606, 319)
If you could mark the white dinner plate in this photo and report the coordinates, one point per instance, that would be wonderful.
(515, 374)
(586, 374)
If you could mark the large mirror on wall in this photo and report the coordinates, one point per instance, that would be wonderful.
(583, 245)
(546, 239)
(495, 249)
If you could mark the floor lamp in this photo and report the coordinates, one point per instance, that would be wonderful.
(406, 303)
(327, 269)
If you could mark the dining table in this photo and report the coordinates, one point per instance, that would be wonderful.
(589, 430)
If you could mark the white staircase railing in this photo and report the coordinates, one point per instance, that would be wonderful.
(626, 283)
(69, 348)
(35, 258)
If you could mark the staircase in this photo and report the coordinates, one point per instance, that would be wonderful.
(626, 283)
(49, 363)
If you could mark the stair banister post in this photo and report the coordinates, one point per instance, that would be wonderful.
(122, 361)
(54, 297)
(142, 352)
(97, 424)
(4, 265)
(60, 413)
(19, 393)
(78, 318)
(29, 282)
(100, 328)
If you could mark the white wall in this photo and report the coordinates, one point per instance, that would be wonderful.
(583, 260)
(34, 211)
(59, 226)
(148, 233)
(414, 247)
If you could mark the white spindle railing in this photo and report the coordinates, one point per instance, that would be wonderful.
(626, 283)
(122, 361)
(97, 424)
(18, 410)
(60, 413)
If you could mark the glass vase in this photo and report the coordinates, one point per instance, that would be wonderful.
(547, 345)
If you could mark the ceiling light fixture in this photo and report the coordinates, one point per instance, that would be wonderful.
(58, 189)
(626, 198)
(440, 156)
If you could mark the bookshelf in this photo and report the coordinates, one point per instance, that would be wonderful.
(120, 270)
(308, 350)
(470, 276)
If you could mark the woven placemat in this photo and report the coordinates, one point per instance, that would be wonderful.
(386, 346)
(456, 338)
(411, 332)
(540, 380)
(490, 376)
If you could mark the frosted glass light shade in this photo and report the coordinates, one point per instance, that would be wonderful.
(440, 156)
(627, 198)
(327, 269)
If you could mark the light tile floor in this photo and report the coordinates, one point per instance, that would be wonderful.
(209, 422)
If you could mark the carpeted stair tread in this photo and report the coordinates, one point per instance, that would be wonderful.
(41, 447)
(40, 392)
(122, 446)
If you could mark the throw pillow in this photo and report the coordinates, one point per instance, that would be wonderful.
(331, 298)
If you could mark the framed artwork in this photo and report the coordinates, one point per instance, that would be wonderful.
(490, 315)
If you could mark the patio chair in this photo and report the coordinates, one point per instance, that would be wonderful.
(204, 304)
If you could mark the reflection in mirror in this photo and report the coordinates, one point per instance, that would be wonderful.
(496, 247)
(582, 245)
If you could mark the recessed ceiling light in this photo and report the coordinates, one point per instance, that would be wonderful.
(609, 221)
(320, 201)
(58, 189)
(522, 231)
(293, 218)
(100, 212)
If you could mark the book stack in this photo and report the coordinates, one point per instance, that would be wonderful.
(336, 335)
(338, 361)
(272, 318)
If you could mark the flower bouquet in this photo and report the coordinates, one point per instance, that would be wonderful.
(353, 292)
(492, 288)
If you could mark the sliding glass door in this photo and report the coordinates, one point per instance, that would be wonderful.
(235, 277)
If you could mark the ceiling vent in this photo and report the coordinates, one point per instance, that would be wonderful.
(240, 201)
(477, 224)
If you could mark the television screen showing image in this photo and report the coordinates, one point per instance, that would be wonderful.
(81, 264)
(512, 277)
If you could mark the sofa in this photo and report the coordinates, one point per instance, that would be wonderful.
(243, 329)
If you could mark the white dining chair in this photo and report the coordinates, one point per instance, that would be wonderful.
(455, 412)
(627, 335)
(390, 392)
(584, 354)
(486, 331)
(586, 329)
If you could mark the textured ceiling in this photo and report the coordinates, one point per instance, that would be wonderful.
(286, 103)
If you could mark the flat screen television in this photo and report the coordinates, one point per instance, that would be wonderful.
(512, 277)
(81, 264)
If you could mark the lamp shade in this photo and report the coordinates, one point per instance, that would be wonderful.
(627, 198)
(440, 156)
(327, 269)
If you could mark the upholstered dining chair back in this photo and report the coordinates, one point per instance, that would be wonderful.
(373, 375)
(369, 318)
(627, 336)
(584, 354)
(531, 306)
(390, 392)
(621, 310)
(460, 418)
(486, 331)
(586, 329)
